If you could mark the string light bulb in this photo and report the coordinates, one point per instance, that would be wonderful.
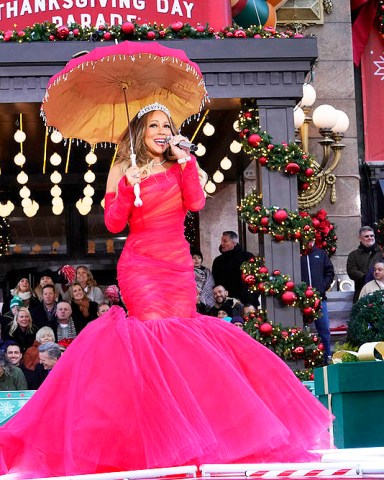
(55, 191)
(208, 129)
(225, 163)
(24, 192)
(57, 209)
(235, 146)
(89, 191)
(91, 158)
(56, 136)
(218, 176)
(26, 202)
(89, 176)
(19, 159)
(236, 126)
(55, 159)
(19, 136)
(55, 177)
(200, 150)
(210, 187)
(22, 178)
(57, 201)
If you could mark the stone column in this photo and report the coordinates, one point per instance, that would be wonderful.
(276, 117)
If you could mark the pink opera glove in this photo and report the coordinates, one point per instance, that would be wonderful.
(118, 207)
(193, 195)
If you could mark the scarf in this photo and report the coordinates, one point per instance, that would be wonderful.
(372, 248)
(84, 306)
(200, 277)
(66, 331)
(23, 295)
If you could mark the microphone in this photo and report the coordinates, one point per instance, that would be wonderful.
(184, 144)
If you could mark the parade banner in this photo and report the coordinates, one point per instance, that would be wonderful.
(15, 14)
(372, 74)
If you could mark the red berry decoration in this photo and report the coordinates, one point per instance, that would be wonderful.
(280, 216)
(254, 140)
(292, 168)
(288, 298)
(266, 329)
(263, 161)
(128, 28)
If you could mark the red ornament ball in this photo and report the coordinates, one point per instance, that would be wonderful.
(107, 36)
(299, 350)
(177, 26)
(264, 221)
(307, 311)
(261, 287)
(309, 293)
(280, 216)
(151, 35)
(297, 235)
(249, 279)
(128, 28)
(304, 186)
(279, 238)
(266, 329)
(254, 140)
(263, 161)
(289, 285)
(292, 168)
(263, 269)
(240, 34)
(63, 32)
(288, 298)
(248, 115)
(200, 28)
(276, 272)
(309, 172)
(253, 228)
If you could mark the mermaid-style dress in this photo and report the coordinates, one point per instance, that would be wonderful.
(164, 386)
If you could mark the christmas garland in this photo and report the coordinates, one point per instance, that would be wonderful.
(289, 343)
(259, 280)
(366, 323)
(50, 32)
(380, 16)
(278, 222)
(287, 157)
(325, 231)
(4, 236)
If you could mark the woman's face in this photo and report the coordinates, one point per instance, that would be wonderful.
(81, 276)
(23, 319)
(24, 285)
(46, 337)
(78, 292)
(45, 280)
(378, 272)
(158, 127)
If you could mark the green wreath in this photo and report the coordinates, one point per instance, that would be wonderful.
(366, 323)
(259, 280)
(287, 157)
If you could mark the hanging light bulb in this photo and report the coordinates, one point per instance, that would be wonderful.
(85, 209)
(210, 187)
(19, 136)
(235, 146)
(56, 136)
(55, 159)
(31, 210)
(6, 209)
(56, 191)
(89, 191)
(24, 192)
(57, 201)
(218, 176)
(236, 126)
(26, 202)
(208, 129)
(55, 177)
(19, 159)
(225, 163)
(57, 209)
(22, 178)
(87, 201)
(200, 150)
(89, 176)
(102, 203)
(91, 158)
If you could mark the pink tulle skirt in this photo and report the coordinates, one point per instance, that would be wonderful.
(130, 395)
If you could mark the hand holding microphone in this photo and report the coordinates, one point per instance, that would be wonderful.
(183, 144)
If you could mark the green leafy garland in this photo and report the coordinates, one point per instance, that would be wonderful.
(259, 280)
(287, 157)
(278, 222)
(50, 32)
(289, 343)
(366, 323)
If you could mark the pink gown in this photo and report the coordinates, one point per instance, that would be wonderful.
(164, 386)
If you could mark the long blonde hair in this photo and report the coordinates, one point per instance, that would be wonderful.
(14, 324)
(138, 128)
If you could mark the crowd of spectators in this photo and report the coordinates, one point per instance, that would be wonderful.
(38, 324)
